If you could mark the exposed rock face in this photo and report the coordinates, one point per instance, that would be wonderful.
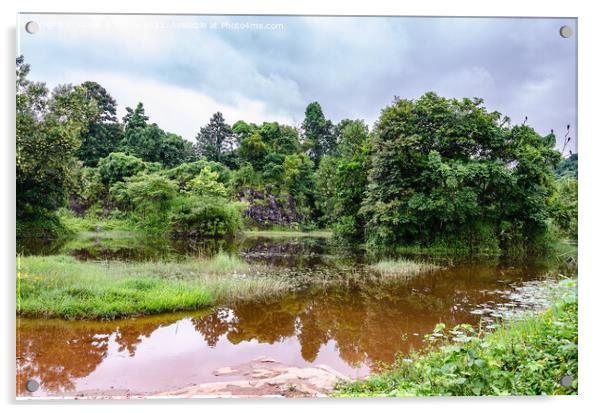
(265, 377)
(265, 209)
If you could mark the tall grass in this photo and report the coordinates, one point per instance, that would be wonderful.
(402, 267)
(61, 286)
(93, 224)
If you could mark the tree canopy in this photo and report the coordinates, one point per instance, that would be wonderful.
(433, 172)
(448, 171)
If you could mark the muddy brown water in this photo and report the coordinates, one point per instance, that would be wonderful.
(352, 327)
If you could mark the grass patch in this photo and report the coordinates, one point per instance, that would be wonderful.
(94, 225)
(61, 286)
(223, 263)
(566, 250)
(524, 357)
(287, 234)
(402, 267)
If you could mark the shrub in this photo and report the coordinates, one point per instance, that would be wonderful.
(205, 217)
(207, 183)
(42, 224)
(149, 197)
(186, 172)
(246, 177)
(526, 357)
(566, 208)
(442, 168)
(118, 166)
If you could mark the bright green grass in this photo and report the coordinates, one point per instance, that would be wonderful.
(566, 249)
(525, 357)
(402, 267)
(61, 286)
(93, 225)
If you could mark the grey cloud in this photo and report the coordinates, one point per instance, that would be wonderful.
(352, 66)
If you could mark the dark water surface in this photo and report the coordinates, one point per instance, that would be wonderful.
(350, 326)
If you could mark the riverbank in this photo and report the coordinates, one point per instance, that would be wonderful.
(61, 286)
(529, 356)
(115, 274)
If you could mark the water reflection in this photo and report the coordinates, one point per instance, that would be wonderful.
(288, 252)
(351, 327)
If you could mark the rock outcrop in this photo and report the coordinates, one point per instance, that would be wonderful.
(266, 209)
(265, 377)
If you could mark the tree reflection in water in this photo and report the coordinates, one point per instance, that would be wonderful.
(368, 321)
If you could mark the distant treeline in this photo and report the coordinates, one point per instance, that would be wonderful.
(433, 173)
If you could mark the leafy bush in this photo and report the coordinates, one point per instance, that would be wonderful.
(118, 166)
(246, 177)
(205, 217)
(43, 224)
(207, 183)
(566, 208)
(527, 357)
(446, 168)
(186, 172)
(149, 197)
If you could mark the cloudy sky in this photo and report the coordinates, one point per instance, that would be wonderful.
(185, 68)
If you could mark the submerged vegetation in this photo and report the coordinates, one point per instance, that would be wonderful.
(61, 286)
(402, 267)
(529, 356)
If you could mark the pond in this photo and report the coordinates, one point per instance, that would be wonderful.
(352, 326)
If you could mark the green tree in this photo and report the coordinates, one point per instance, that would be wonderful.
(246, 177)
(326, 190)
(118, 166)
(207, 184)
(151, 143)
(341, 181)
(351, 179)
(242, 130)
(215, 139)
(253, 150)
(172, 150)
(298, 179)
(280, 138)
(149, 197)
(48, 134)
(272, 170)
(134, 119)
(134, 134)
(183, 174)
(568, 167)
(318, 133)
(566, 207)
(103, 133)
(195, 216)
(447, 171)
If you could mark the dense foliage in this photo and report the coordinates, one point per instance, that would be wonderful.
(48, 130)
(448, 171)
(433, 173)
(565, 206)
(528, 357)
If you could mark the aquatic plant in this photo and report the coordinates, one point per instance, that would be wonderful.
(532, 356)
(403, 267)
